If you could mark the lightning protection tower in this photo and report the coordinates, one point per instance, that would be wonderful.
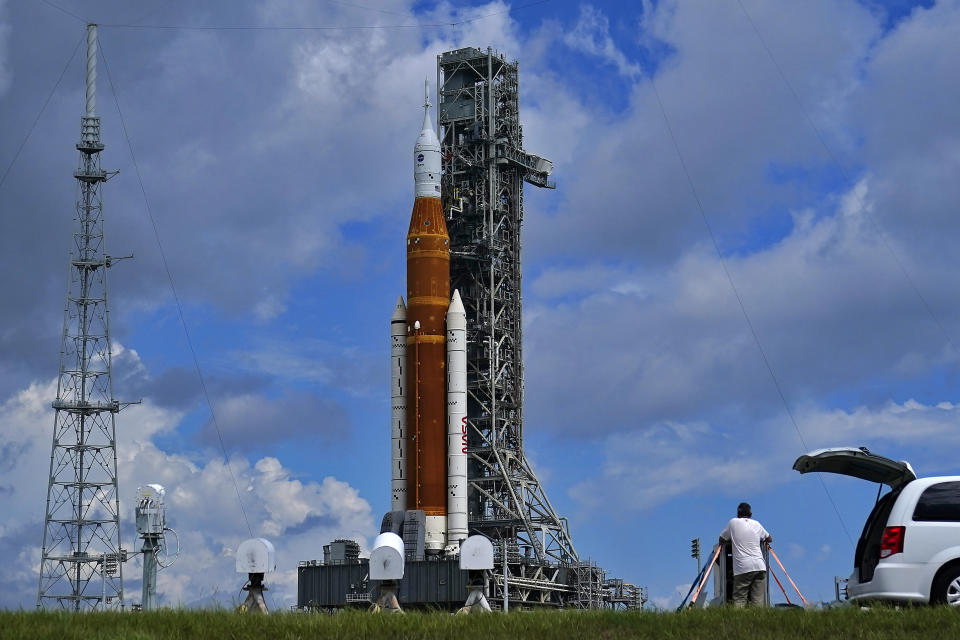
(485, 167)
(82, 561)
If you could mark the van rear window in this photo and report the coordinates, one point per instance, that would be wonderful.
(939, 503)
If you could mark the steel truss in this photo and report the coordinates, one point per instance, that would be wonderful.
(484, 170)
(82, 560)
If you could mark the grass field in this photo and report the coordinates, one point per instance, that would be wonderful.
(709, 624)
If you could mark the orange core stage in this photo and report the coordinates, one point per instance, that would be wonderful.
(428, 296)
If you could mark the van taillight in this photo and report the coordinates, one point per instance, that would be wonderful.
(892, 541)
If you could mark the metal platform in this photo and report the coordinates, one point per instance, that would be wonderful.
(441, 584)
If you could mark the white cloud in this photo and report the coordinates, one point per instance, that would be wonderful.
(257, 422)
(647, 468)
(644, 468)
(671, 601)
(828, 303)
(342, 365)
(201, 504)
(591, 35)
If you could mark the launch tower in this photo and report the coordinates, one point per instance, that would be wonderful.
(82, 562)
(485, 167)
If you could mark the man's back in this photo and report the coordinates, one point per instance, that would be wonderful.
(746, 535)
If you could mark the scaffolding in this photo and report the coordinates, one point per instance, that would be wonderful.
(623, 595)
(484, 169)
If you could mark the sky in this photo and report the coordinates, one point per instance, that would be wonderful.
(750, 254)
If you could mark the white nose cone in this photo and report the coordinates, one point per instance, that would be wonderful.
(426, 155)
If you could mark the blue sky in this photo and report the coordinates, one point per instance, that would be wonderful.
(276, 166)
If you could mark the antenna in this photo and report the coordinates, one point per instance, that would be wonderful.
(81, 565)
(255, 557)
(152, 527)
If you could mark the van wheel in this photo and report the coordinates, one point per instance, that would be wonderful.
(946, 587)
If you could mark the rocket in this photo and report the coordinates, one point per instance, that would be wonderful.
(428, 367)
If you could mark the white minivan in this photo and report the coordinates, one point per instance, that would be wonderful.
(909, 550)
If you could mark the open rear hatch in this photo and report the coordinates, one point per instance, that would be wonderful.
(859, 463)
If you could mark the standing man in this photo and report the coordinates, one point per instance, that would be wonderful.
(749, 570)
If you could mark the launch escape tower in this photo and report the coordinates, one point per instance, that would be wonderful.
(82, 561)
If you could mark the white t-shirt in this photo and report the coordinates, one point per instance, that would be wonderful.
(746, 534)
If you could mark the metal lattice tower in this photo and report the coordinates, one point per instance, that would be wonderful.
(484, 169)
(82, 561)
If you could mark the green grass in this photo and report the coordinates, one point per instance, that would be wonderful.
(709, 624)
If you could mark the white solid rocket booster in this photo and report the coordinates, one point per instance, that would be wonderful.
(456, 423)
(398, 407)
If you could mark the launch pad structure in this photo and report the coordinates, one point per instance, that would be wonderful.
(484, 166)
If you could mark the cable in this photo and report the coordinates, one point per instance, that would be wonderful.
(736, 293)
(62, 10)
(42, 109)
(166, 550)
(183, 27)
(173, 289)
(836, 162)
(360, 6)
(436, 25)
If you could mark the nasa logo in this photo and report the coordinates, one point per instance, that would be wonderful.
(420, 157)
(463, 433)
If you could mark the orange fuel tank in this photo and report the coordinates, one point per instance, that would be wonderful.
(428, 291)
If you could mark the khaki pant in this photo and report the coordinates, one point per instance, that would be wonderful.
(749, 588)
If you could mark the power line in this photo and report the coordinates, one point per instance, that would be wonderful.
(85, 21)
(185, 27)
(62, 10)
(365, 8)
(176, 297)
(42, 109)
(417, 25)
(736, 293)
